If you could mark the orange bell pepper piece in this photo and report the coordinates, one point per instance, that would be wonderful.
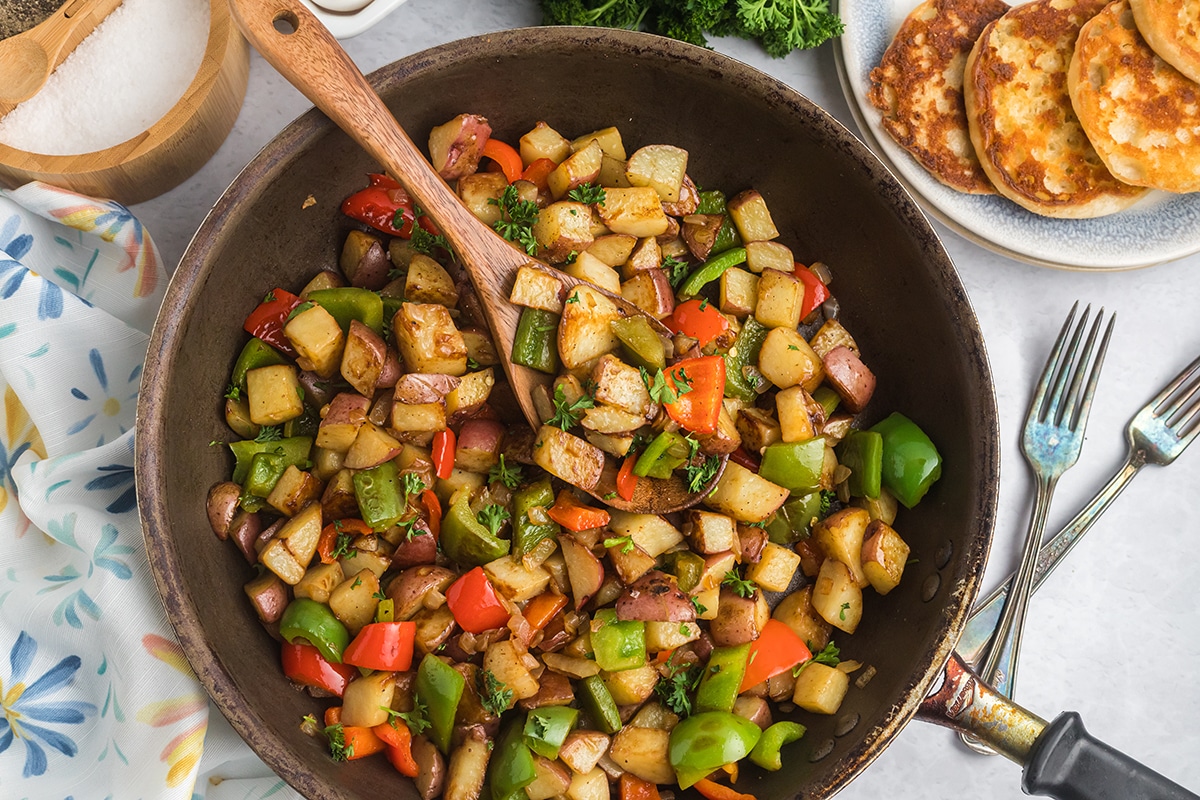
(574, 515)
(507, 158)
(398, 739)
(626, 480)
(717, 791)
(634, 788)
(699, 409)
(540, 610)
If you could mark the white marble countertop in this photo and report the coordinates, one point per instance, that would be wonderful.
(1115, 634)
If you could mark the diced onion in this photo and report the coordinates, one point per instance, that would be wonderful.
(821, 270)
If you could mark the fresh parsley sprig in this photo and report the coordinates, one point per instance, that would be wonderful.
(519, 217)
(493, 516)
(566, 413)
(663, 391)
(494, 696)
(623, 542)
(588, 193)
(502, 473)
(743, 586)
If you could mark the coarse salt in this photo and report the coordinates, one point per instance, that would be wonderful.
(119, 81)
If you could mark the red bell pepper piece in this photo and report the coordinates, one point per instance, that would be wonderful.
(815, 292)
(699, 409)
(776, 650)
(574, 515)
(398, 739)
(698, 319)
(540, 610)
(304, 664)
(538, 173)
(474, 602)
(716, 791)
(443, 453)
(267, 320)
(386, 646)
(745, 458)
(634, 788)
(508, 159)
(327, 542)
(434, 506)
(626, 480)
(381, 204)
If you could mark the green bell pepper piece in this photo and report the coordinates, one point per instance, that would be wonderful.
(390, 306)
(511, 766)
(713, 202)
(766, 752)
(796, 466)
(666, 453)
(535, 344)
(718, 689)
(862, 453)
(265, 471)
(380, 496)
(641, 343)
(294, 449)
(527, 533)
(546, 729)
(707, 741)
(710, 270)
(828, 399)
(350, 302)
(744, 353)
(599, 705)
(307, 424)
(795, 519)
(256, 353)
(687, 567)
(911, 462)
(314, 623)
(465, 540)
(618, 644)
(439, 687)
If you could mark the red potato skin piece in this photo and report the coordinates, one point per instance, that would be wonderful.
(464, 152)
(850, 377)
(417, 388)
(363, 358)
(655, 597)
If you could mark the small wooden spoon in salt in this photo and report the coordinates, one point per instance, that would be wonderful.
(293, 41)
(28, 59)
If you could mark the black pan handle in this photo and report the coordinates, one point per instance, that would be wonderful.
(1069, 763)
(1060, 759)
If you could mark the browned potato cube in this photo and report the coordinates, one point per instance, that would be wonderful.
(884, 555)
(609, 140)
(620, 385)
(563, 228)
(650, 290)
(710, 533)
(762, 256)
(661, 167)
(739, 292)
(787, 360)
(537, 288)
(820, 688)
(568, 457)
(478, 189)
(456, 147)
(273, 394)
(745, 495)
(646, 255)
(757, 429)
(582, 166)
(428, 282)
(544, 142)
(294, 490)
(363, 262)
(840, 537)
(752, 217)
(775, 567)
(584, 332)
(836, 596)
(363, 358)
(588, 268)
(780, 298)
(832, 334)
(318, 340)
(636, 211)
(795, 422)
(428, 340)
(613, 249)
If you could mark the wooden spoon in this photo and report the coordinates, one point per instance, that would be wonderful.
(28, 59)
(293, 41)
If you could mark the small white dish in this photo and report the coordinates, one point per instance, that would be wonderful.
(345, 24)
(1161, 227)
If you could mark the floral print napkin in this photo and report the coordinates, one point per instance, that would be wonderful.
(96, 697)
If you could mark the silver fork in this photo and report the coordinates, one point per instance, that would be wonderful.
(1052, 439)
(1157, 434)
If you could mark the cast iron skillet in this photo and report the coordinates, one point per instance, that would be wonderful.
(832, 200)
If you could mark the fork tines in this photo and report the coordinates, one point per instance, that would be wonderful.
(1178, 405)
(1049, 406)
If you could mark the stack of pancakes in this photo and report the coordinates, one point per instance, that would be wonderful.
(1070, 108)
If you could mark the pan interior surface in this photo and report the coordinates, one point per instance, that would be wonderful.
(832, 201)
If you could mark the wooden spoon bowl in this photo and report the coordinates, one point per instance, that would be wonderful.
(294, 41)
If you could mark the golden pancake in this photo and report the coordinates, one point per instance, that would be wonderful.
(1024, 129)
(918, 87)
(1141, 114)
(1172, 29)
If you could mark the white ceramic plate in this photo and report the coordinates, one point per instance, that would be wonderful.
(1161, 227)
(345, 24)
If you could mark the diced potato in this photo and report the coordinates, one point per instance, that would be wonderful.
(428, 282)
(708, 599)
(820, 688)
(669, 635)
(832, 334)
(592, 785)
(294, 490)
(537, 288)
(459, 480)
(650, 290)
(725, 439)
(744, 495)
(582, 751)
(652, 533)
(659, 166)
(608, 138)
(613, 249)
(840, 536)
(368, 698)
(582, 166)
(752, 217)
(516, 581)
(615, 444)
(355, 599)
(631, 563)
(612, 173)
(780, 298)
(363, 358)
(636, 211)
(477, 190)
(456, 147)
(301, 532)
(646, 255)
(361, 253)
(338, 500)
(508, 665)
(372, 446)
(544, 142)
(472, 392)
(795, 424)
(631, 686)
(551, 779)
(620, 385)
(563, 228)
(758, 429)
(588, 268)
(786, 359)
(761, 256)
(797, 613)
(568, 457)
(319, 581)
(480, 347)
(418, 417)
(468, 768)
(318, 340)
(775, 568)
(584, 332)
(428, 340)
(836, 596)
(739, 292)
(882, 508)
(710, 533)
(643, 753)
(611, 420)
(884, 555)
(277, 558)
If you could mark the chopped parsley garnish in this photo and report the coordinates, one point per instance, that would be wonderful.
(269, 433)
(416, 720)
(828, 656)
(675, 691)
(411, 484)
(502, 473)
(343, 547)
(699, 474)
(425, 242)
(233, 392)
(337, 743)
(743, 586)
(662, 391)
(700, 607)
(493, 516)
(494, 696)
(842, 611)
(588, 193)
(567, 414)
(676, 270)
(519, 216)
(623, 542)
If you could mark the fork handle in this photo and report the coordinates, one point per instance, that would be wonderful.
(981, 626)
(1068, 763)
